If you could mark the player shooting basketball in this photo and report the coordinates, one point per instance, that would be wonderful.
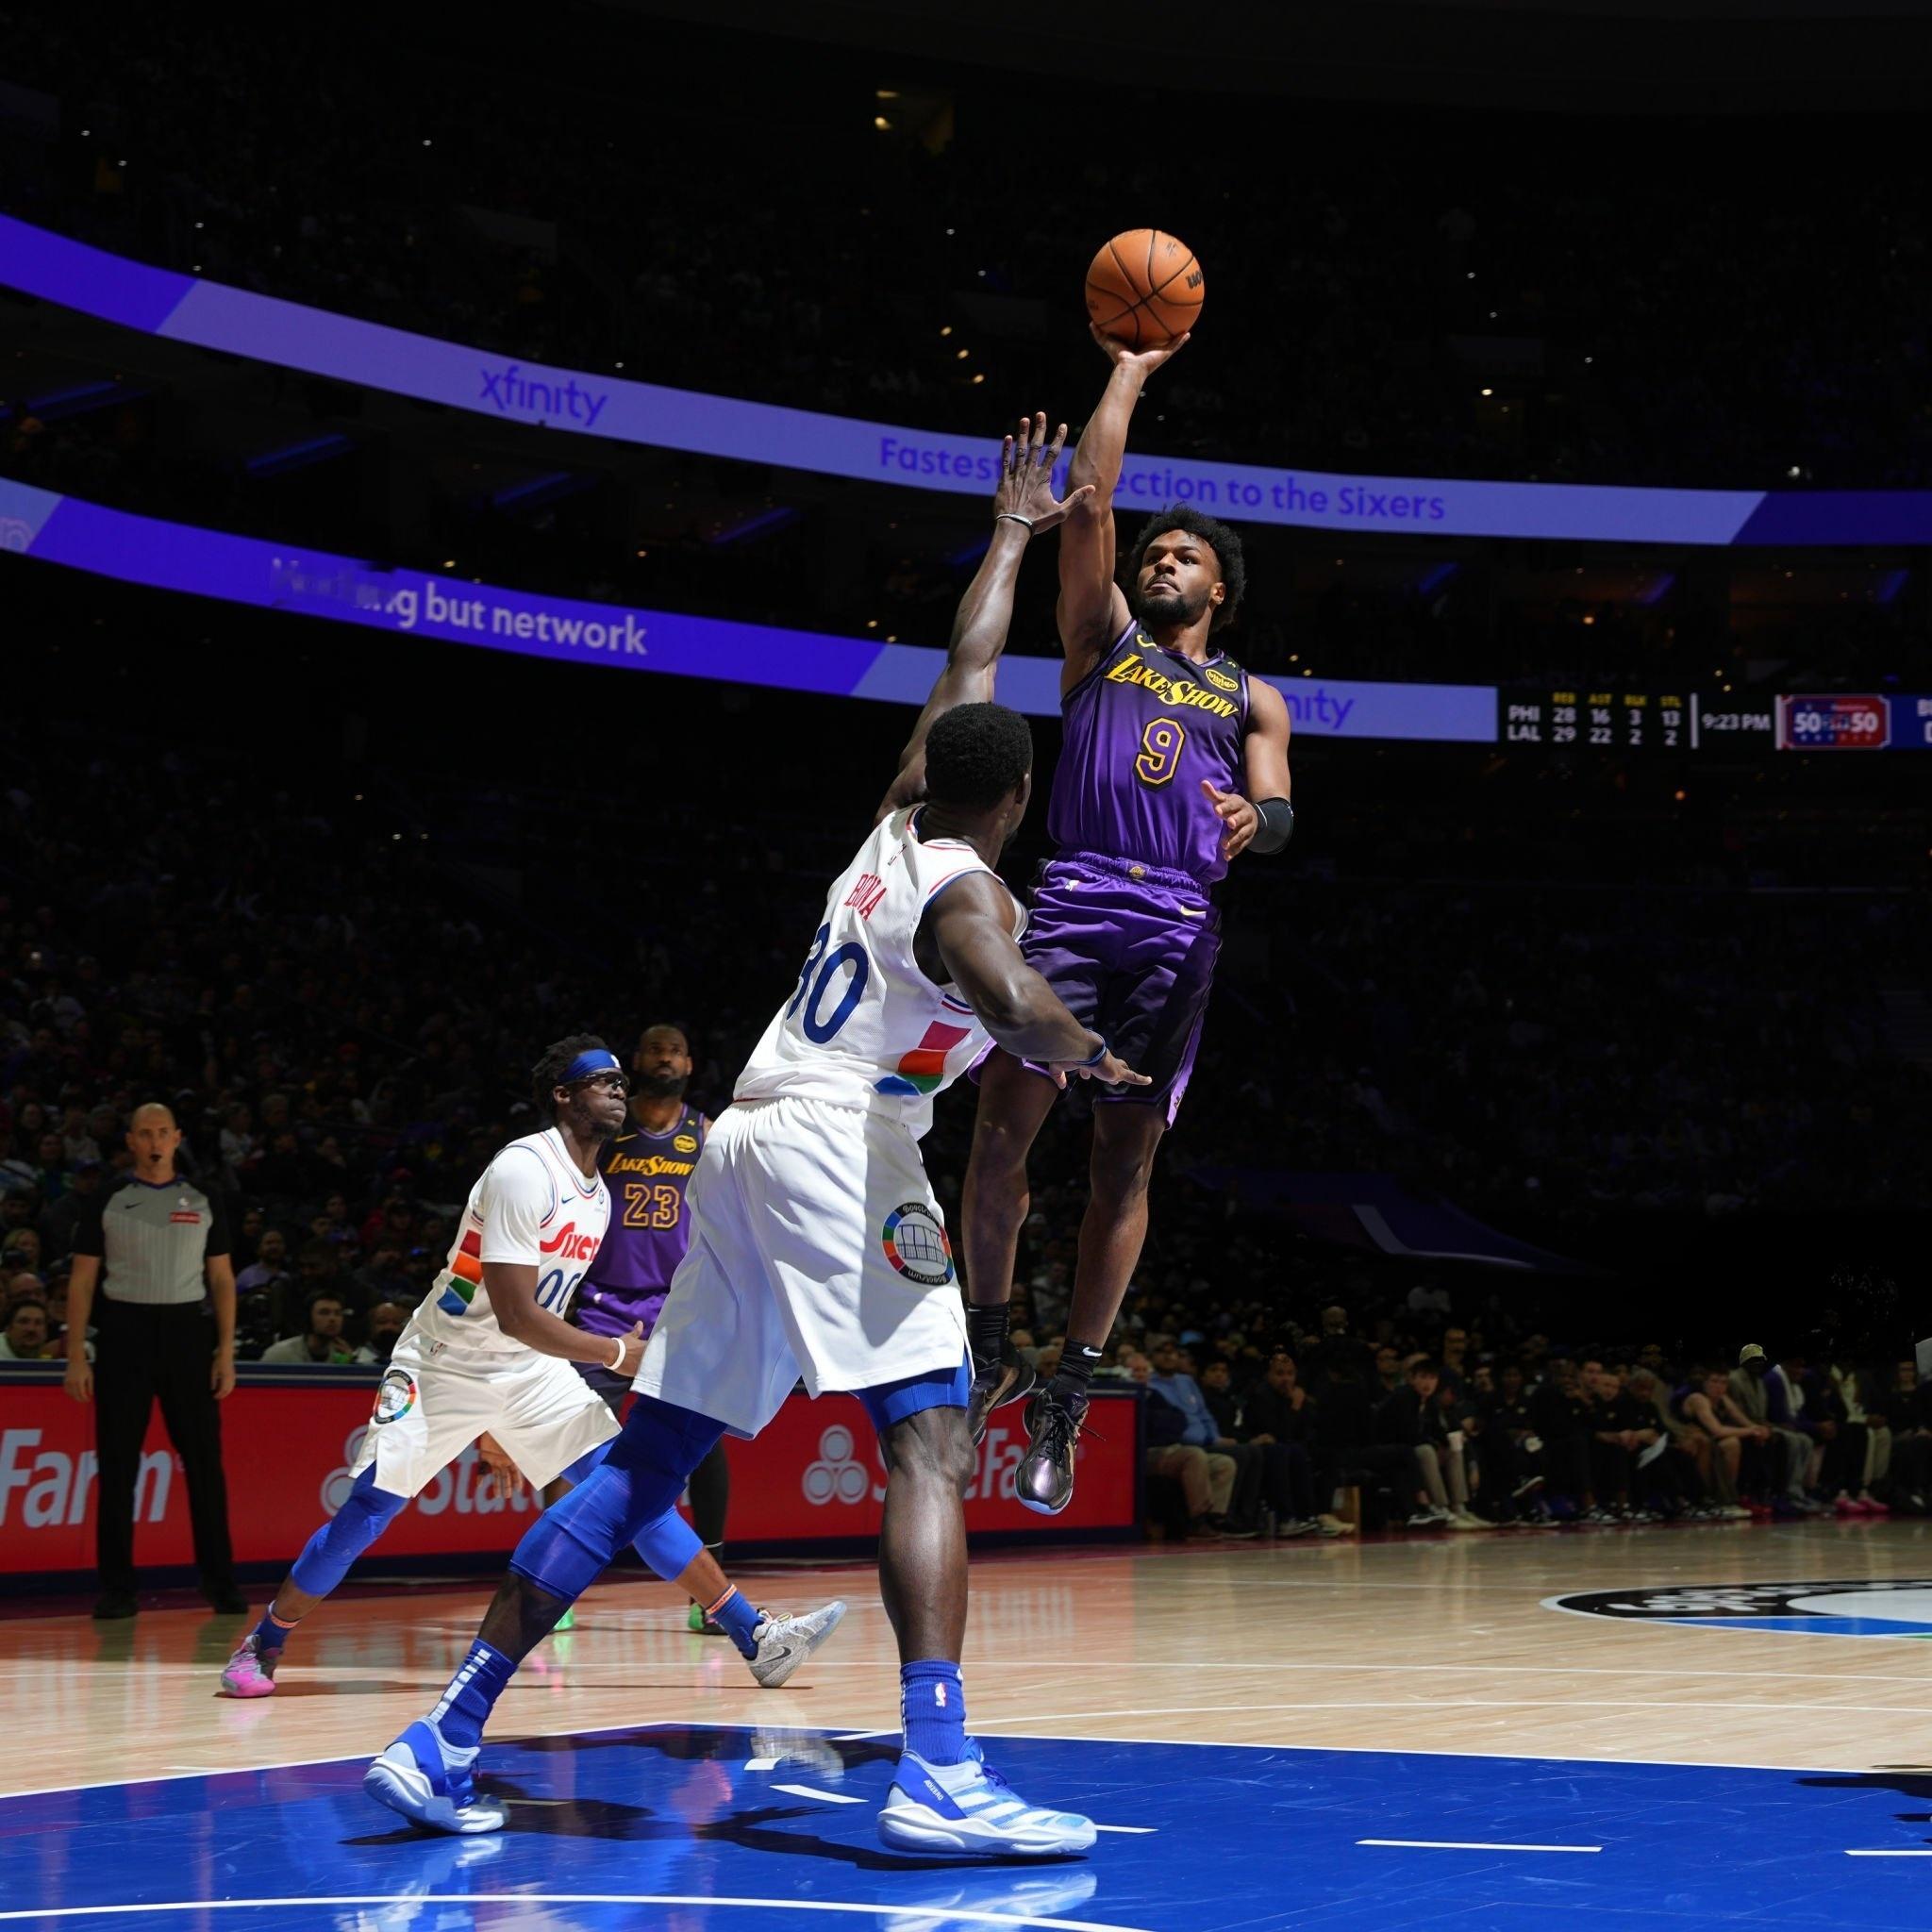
(1174, 763)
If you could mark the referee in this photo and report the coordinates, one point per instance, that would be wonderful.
(157, 1249)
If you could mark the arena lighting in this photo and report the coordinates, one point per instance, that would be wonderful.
(265, 329)
(339, 590)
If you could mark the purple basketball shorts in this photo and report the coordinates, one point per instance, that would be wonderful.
(1130, 949)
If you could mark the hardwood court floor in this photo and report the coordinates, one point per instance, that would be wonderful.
(1419, 1646)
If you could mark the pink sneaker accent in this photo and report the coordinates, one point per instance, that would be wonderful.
(1845, 1507)
(1875, 1508)
(251, 1671)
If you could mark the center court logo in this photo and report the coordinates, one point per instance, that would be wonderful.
(916, 1244)
(1891, 1607)
(837, 1475)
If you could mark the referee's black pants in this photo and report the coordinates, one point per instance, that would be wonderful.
(142, 1353)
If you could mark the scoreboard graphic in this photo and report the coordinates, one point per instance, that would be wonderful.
(1619, 719)
(1614, 719)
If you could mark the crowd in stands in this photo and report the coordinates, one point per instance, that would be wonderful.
(1288, 1432)
(1389, 290)
(340, 1015)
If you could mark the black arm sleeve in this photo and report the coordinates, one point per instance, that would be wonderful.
(1277, 826)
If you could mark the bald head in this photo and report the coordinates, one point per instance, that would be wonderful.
(152, 1138)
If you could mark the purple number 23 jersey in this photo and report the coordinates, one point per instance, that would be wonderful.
(1143, 727)
(650, 1226)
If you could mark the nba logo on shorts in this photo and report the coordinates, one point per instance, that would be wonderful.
(917, 1246)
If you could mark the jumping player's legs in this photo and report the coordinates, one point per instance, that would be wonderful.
(1151, 1011)
(1014, 1102)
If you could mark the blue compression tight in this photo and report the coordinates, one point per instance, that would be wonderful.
(630, 1497)
(667, 1544)
(328, 1554)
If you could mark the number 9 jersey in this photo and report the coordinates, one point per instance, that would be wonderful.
(864, 1026)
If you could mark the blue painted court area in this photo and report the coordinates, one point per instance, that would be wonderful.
(735, 1831)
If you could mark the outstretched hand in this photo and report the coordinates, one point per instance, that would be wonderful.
(1028, 462)
(1144, 360)
(1240, 820)
(1109, 1070)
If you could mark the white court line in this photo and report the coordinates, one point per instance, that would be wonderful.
(762, 1763)
(1130, 1830)
(513, 1900)
(813, 1791)
(1850, 1853)
(993, 1729)
(1431, 1703)
(1451, 1844)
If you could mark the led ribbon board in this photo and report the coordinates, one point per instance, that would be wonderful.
(186, 309)
(245, 569)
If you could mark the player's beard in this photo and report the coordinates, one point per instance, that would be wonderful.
(1180, 610)
(659, 1086)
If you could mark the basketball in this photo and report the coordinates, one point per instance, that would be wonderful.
(1145, 287)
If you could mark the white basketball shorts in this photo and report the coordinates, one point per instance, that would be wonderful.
(818, 1252)
(430, 1411)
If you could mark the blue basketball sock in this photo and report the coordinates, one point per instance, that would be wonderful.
(932, 1710)
(472, 1695)
(268, 1634)
(737, 1619)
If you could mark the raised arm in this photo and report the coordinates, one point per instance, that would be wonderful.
(1022, 504)
(971, 928)
(1092, 611)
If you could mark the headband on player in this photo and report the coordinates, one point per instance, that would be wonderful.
(599, 1059)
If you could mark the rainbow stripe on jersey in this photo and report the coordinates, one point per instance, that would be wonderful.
(923, 1069)
(466, 1269)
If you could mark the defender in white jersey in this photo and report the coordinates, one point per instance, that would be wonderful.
(818, 1249)
(489, 1351)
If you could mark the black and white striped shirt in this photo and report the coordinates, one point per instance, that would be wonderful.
(152, 1238)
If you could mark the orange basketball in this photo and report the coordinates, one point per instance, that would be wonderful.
(1145, 287)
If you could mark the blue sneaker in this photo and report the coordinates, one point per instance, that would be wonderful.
(429, 1782)
(970, 1808)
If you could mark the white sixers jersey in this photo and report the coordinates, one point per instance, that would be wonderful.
(864, 1026)
(531, 1205)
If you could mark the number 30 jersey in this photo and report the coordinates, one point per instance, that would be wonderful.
(531, 1205)
(1143, 727)
(864, 1026)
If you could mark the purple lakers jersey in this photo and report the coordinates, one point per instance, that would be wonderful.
(650, 1225)
(1143, 727)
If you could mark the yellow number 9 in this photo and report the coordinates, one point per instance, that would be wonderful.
(1160, 751)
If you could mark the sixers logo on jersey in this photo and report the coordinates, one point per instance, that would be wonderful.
(567, 1245)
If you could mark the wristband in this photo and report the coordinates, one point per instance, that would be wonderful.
(1276, 826)
(617, 1360)
(1012, 516)
(1099, 1054)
